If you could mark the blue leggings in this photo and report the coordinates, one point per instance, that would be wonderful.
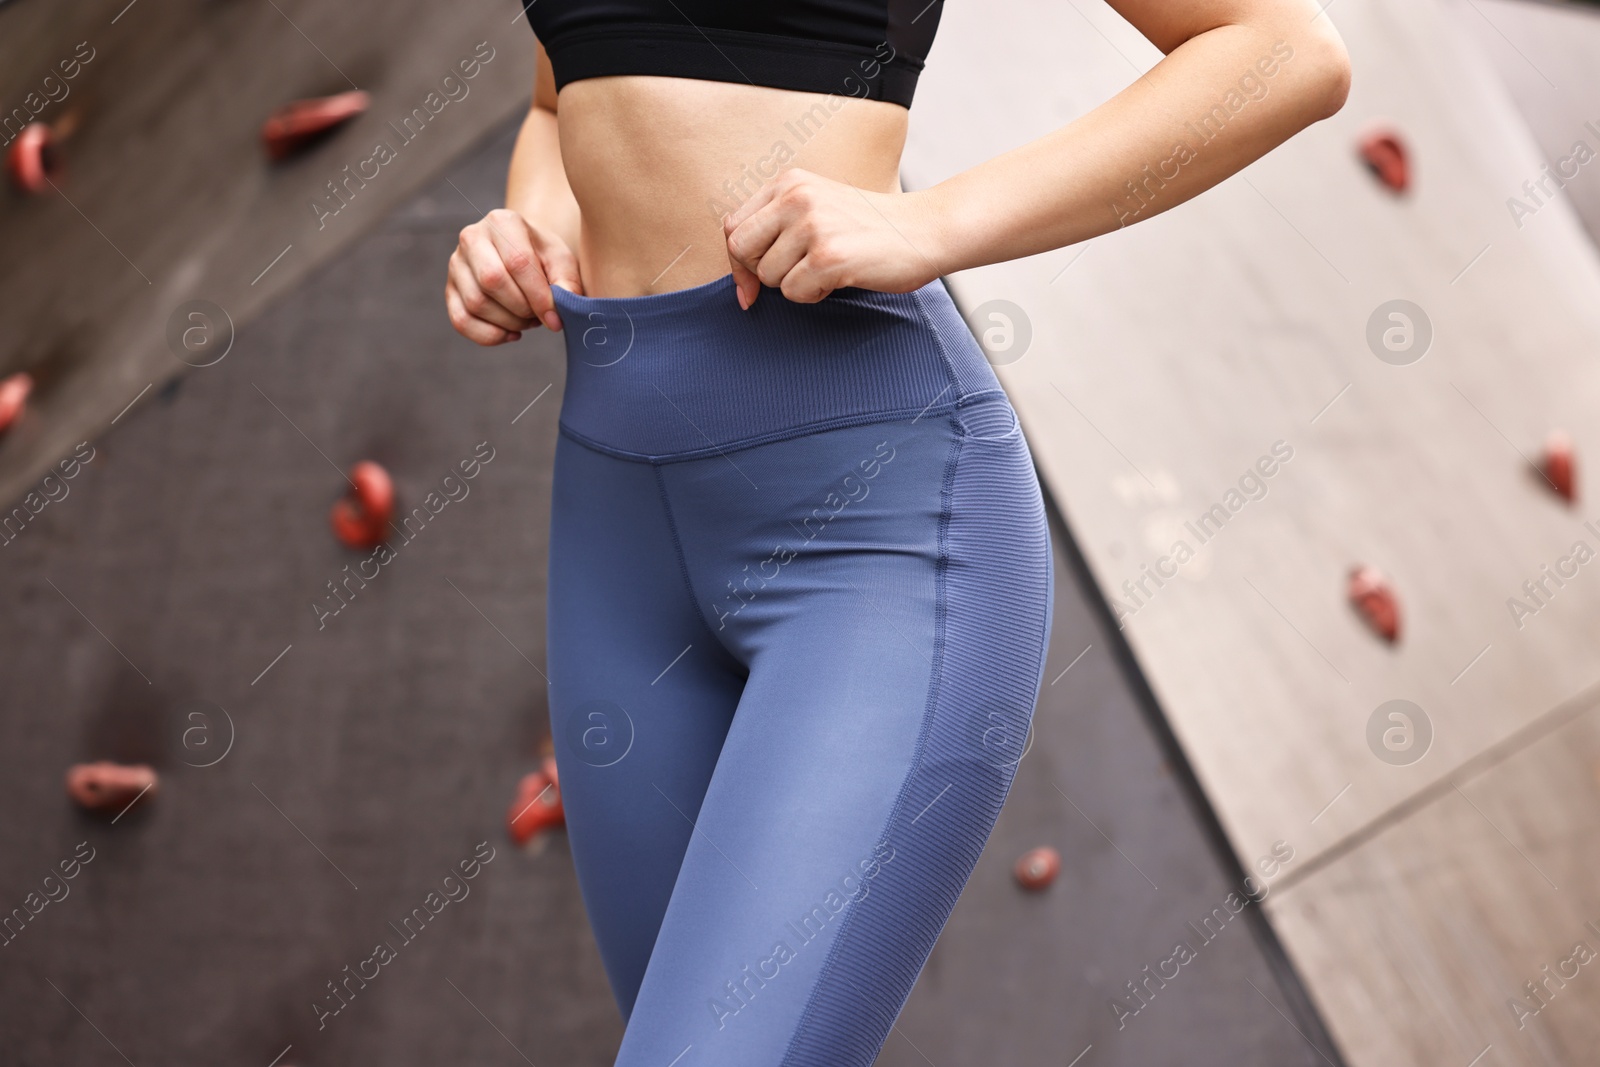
(800, 589)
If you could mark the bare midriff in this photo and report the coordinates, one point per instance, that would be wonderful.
(655, 162)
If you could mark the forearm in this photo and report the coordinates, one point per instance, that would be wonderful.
(1214, 104)
(536, 187)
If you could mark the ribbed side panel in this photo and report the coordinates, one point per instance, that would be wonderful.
(995, 596)
(968, 365)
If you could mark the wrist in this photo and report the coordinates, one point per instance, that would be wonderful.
(941, 226)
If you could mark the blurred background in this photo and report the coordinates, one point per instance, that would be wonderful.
(1319, 707)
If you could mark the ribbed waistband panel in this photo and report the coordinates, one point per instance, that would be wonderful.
(687, 373)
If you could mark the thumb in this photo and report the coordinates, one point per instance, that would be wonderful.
(747, 285)
(561, 268)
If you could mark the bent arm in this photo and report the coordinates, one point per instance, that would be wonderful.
(1239, 77)
(536, 185)
(500, 274)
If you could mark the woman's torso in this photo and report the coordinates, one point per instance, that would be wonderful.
(655, 162)
(675, 112)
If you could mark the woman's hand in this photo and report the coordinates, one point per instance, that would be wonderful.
(808, 235)
(500, 278)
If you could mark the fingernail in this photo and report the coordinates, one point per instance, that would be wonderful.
(551, 320)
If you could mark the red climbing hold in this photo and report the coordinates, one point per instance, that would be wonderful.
(13, 397)
(536, 808)
(547, 759)
(109, 786)
(1386, 156)
(32, 159)
(361, 517)
(1038, 868)
(297, 124)
(1557, 465)
(1373, 596)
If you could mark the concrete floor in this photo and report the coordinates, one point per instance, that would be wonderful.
(364, 759)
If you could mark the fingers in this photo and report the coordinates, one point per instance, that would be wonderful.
(776, 239)
(519, 270)
(479, 305)
(804, 266)
(801, 268)
(470, 326)
(534, 261)
(501, 275)
(486, 262)
(807, 282)
(750, 231)
(749, 243)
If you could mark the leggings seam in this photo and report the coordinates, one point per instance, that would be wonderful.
(775, 436)
(683, 561)
(935, 680)
(945, 358)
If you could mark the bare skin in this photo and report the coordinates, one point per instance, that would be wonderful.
(650, 184)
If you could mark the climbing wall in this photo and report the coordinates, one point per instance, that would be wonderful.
(1232, 417)
(1546, 55)
(164, 195)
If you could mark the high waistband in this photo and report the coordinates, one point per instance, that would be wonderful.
(685, 374)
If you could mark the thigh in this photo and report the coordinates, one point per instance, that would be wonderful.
(895, 646)
(641, 696)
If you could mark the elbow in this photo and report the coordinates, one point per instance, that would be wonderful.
(1330, 82)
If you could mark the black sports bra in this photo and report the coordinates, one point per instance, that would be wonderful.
(873, 49)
